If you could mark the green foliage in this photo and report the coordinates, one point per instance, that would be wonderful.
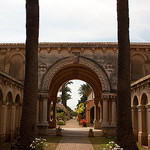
(81, 108)
(61, 122)
(83, 92)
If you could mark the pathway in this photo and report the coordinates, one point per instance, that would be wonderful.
(74, 137)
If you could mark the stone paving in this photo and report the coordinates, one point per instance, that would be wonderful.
(75, 137)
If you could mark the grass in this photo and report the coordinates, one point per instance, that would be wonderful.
(100, 142)
(52, 142)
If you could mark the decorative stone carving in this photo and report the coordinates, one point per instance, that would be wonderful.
(93, 50)
(81, 60)
(59, 49)
(75, 57)
(42, 67)
(69, 50)
(49, 50)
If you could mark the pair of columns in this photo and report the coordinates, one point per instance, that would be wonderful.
(43, 116)
(9, 121)
(139, 123)
(109, 111)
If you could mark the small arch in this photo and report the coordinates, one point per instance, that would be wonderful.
(135, 101)
(1, 95)
(17, 99)
(92, 111)
(9, 97)
(144, 99)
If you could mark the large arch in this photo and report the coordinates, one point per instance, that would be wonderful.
(75, 71)
(76, 61)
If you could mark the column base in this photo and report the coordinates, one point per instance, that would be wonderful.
(142, 139)
(108, 130)
(97, 124)
(42, 128)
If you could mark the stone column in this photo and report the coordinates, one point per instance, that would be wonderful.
(105, 112)
(113, 113)
(54, 113)
(142, 136)
(135, 121)
(43, 125)
(13, 113)
(101, 114)
(38, 110)
(97, 124)
(148, 107)
(44, 121)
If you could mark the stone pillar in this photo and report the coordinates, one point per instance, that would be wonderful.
(38, 110)
(54, 113)
(105, 112)
(3, 118)
(135, 122)
(43, 125)
(148, 107)
(44, 121)
(142, 136)
(97, 124)
(101, 114)
(113, 113)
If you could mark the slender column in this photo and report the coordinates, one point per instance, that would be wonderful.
(148, 107)
(140, 133)
(38, 110)
(135, 121)
(54, 111)
(97, 124)
(113, 112)
(45, 111)
(13, 122)
(110, 110)
(101, 114)
(105, 111)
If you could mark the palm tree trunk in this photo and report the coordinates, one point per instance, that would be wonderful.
(28, 118)
(124, 133)
(63, 95)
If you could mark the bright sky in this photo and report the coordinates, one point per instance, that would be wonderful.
(74, 21)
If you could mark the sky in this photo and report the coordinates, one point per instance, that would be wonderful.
(74, 21)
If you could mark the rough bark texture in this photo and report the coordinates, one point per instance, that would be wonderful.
(28, 118)
(124, 135)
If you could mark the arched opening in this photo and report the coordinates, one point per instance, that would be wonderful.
(70, 72)
(9, 97)
(135, 117)
(144, 102)
(17, 114)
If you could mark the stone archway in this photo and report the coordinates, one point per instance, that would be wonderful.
(69, 68)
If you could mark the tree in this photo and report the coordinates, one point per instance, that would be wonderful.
(28, 119)
(64, 93)
(124, 132)
(83, 92)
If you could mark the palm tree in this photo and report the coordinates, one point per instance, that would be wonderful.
(83, 92)
(28, 118)
(124, 133)
(64, 93)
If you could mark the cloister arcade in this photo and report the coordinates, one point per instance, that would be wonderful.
(141, 110)
(94, 63)
(11, 92)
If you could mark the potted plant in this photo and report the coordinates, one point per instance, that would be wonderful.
(91, 133)
(58, 131)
